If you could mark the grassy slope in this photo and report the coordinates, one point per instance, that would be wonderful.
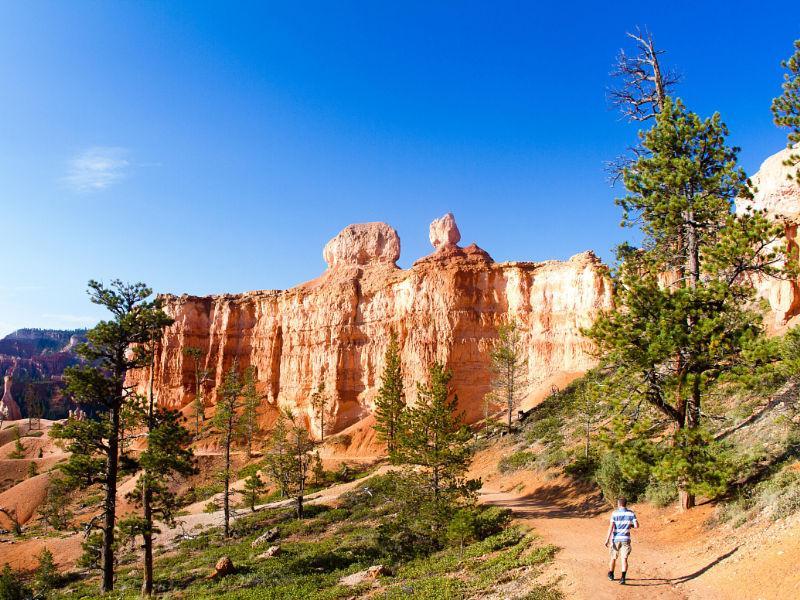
(318, 551)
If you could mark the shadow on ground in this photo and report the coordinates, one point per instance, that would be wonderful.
(633, 582)
(556, 501)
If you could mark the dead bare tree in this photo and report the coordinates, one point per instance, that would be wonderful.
(644, 83)
(643, 86)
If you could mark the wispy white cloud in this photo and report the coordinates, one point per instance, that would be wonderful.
(97, 168)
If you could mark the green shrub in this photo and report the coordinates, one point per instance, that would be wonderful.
(583, 467)
(491, 521)
(546, 429)
(12, 586)
(553, 456)
(524, 459)
(92, 547)
(661, 493)
(613, 482)
(46, 574)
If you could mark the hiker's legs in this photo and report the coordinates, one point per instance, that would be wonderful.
(612, 560)
(624, 553)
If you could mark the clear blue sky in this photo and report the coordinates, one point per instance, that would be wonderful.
(216, 147)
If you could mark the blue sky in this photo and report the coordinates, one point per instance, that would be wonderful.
(216, 147)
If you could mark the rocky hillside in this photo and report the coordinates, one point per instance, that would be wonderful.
(35, 359)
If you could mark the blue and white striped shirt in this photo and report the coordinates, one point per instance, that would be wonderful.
(623, 520)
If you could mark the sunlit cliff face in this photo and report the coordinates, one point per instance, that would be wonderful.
(335, 329)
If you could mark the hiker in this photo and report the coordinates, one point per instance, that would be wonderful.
(619, 537)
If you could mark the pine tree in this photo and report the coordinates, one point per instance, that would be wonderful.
(390, 402)
(46, 575)
(227, 422)
(198, 404)
(290, 458)
(251, 401)
(19, 449)
(114, 348)
(12, 585)
(55, 508)
(682, 299)
(433, 438)
(166, 457)
(253, 488)
(277, 457)
(509, 369)
(320, 403)
(786, 107)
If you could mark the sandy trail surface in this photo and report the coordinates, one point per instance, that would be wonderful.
(675, 555)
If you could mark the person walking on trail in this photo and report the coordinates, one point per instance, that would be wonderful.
(619, 537)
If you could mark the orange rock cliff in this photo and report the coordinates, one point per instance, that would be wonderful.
(447, 307)
(335, 329)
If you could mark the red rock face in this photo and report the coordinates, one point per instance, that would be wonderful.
(335, 329)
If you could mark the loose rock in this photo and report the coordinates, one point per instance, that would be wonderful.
(266, 537)
(223, 568)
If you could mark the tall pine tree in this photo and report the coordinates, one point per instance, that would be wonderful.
(509, 369)
(434, 439)
(227, 422)
(390, 402)
(683, 298)
(114, 348)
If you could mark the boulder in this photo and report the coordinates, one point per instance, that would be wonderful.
(268, 536)
(271, 552)
(370, 574)
(444, 232)
(223, 568)
(363, 244)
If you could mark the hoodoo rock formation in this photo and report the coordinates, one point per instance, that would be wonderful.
(778, 196)
(335, 329)
(7, 404)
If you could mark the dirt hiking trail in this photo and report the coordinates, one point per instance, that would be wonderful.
(675, 556)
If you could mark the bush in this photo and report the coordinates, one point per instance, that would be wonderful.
(583, 467)
(518, 461)
(46, 574)
(12, 587)
(92, 548)
(491, 521)
(661, 493)
(613, 482)
(546, 430)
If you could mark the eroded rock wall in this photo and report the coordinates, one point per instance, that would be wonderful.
(335, 329)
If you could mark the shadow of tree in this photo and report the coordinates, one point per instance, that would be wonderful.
(644, 582)
(556, 501)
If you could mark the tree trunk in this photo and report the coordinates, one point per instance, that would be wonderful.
(147, 497)
(302, 487)
(686, 499)
(110, 505)
(226, 511)
(147, 509)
